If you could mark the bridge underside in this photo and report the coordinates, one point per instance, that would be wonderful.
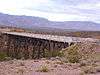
(27, 47)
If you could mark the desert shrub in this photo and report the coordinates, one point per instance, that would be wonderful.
(47, 53)
(89, 70)
(3, 56)
(43, 69)
(21, 71)
(59, 62)
(80, 52)
(71, 54)
(53, 53)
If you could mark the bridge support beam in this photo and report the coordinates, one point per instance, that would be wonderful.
(27, 47)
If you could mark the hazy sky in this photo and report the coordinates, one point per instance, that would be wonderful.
(56, 10)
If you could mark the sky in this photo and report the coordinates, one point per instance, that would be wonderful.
(54, 10)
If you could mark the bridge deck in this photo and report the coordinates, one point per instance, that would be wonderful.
(52, 37)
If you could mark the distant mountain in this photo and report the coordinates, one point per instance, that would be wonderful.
(32, 22)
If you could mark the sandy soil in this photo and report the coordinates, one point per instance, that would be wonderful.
(54, 66)
(33, 67)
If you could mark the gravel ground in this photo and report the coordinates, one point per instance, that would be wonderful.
(33, 67)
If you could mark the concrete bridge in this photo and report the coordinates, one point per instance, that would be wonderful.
(29, 45)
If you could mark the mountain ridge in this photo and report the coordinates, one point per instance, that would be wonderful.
(30, 22)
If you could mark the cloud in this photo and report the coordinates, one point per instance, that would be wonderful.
(56, 10)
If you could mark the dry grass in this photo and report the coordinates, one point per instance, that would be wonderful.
(43, 69)
(3, 56)
(59, 62)
(89, 70)
(21, 71)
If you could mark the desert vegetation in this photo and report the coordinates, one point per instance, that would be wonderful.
(77, 52)
(77, 59)
(43, 69)
(85, 54)
(4, 57)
